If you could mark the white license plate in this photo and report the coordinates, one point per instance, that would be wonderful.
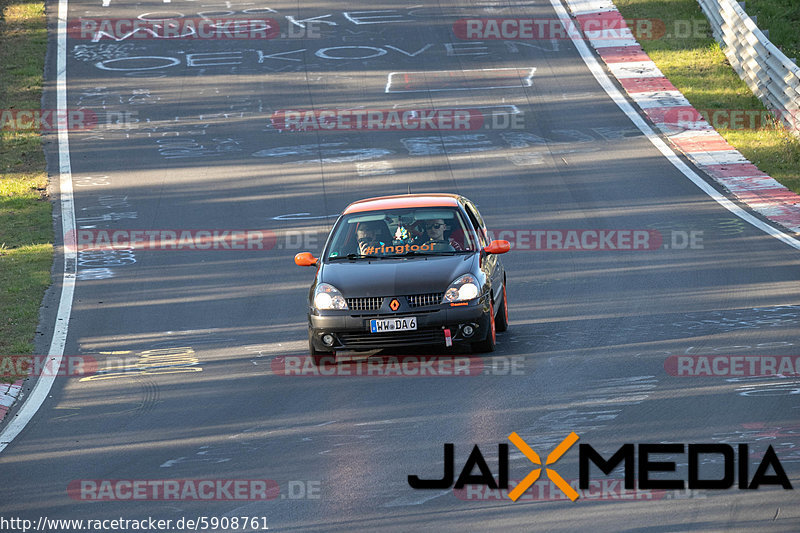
(383, 325)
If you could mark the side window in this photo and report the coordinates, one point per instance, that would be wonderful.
(477, 223)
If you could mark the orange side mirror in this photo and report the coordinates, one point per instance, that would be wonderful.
(305, 259)
(497, 247)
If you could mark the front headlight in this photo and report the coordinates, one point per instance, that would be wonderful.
(463, 289)
(326, 296)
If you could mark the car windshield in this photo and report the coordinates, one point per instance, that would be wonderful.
(402, 232)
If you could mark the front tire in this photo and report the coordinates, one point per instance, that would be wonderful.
(501, 320)
(488, 344)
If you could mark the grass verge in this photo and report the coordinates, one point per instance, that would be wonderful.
(781, 18)
(688, 55)
(26, 235)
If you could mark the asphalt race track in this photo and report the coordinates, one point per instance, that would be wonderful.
(184, 141)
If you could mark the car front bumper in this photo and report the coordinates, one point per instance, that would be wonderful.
(351, 331)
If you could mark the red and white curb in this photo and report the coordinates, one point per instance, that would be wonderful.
(8, 394)
(681, 123)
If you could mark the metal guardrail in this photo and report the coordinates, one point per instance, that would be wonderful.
(772, 76)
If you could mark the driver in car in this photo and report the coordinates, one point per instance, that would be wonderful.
(434, 234)
(367, 235)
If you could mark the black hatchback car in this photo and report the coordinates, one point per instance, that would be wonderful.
(415, 269)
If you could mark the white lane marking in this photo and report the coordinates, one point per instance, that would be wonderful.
(526, 160)
(378, 422)
(615, 95)
(374, 168)
(172, 462)
(527, 80)
(45, 382)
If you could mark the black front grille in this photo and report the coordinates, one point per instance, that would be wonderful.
(391, 314)
(402, 338)
(423, 300)
(370, 303)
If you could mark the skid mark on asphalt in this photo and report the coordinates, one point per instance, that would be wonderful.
(760, 386)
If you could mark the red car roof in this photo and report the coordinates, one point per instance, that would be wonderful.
(382, 203)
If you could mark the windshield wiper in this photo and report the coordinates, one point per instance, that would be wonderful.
(350, 257)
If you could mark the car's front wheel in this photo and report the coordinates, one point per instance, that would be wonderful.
(319, 357)
(502, 314)
(490, 342)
